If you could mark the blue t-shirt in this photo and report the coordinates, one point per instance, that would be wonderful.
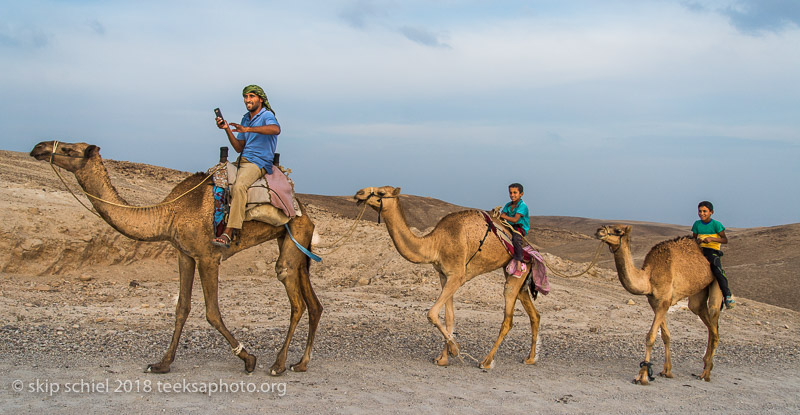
(522, 209)
(259, 149)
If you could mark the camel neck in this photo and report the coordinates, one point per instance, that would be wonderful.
(410, 246)
(633, 279)
(139, 224)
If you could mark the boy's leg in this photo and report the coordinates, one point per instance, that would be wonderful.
(516, 240)
(716, 268)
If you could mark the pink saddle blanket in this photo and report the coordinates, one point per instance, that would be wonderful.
(529, 255)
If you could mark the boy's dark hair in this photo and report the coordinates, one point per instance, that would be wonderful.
(516, 186)
(704, 203)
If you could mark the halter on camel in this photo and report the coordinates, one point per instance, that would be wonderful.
(380, 200)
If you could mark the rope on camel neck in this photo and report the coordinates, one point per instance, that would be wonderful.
(488, 228)
(345, 236)
(91, 196)
(549, 266)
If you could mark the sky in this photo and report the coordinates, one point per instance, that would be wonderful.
(618, 109)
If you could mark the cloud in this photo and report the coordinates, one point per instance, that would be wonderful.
(96, 27)
(423, 37)
(23, 38)
(754, 16)
(359, 13)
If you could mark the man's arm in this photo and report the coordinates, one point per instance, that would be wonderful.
(271, 129)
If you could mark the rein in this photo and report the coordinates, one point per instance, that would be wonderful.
(91, 196)
(480, 245)
(346, 234)
(336, 244)
(550, 267)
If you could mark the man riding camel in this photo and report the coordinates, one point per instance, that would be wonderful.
(256, 140)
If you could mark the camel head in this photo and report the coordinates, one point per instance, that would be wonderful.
(614, 234)
(68, 156)
(373, 196)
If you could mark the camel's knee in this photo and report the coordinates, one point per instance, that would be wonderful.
(282, 270)
(508, 326)
(214, 320)
(182, 311)
(432, 318)
(650, 340)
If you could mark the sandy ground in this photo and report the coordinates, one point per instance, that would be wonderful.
(83, 310)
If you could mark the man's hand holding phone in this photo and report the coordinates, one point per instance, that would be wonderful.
(221, 123)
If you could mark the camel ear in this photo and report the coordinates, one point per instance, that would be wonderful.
(92, 150)
(628, 229)
(396, 191)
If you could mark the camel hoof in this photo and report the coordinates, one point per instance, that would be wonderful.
(442, 362)
(156, 368)
(249, 363)
(452, 348)
(484, 366)
(667, 375)
(298, 368)
(276, 372)
(530, 361)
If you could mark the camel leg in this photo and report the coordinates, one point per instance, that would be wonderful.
(314, 313)
(449, 287)
(667, 372)
(512, 288)
(450, 349)
(298, 307)
(527, 303)
(186, 268)
(660, 310)
(708, 310)
(209, 277)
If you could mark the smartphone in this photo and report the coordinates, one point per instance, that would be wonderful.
(218, 113)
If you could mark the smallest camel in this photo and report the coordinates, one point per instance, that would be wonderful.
(672, 271)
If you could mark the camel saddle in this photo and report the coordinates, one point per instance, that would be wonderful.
(529, 255)
(270, 199)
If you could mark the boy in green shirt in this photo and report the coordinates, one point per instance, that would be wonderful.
(516, 213)
(711, 235)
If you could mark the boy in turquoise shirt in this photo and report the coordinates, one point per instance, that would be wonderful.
(516, 213)
(711, 235)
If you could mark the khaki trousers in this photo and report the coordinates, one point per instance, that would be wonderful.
(248, 173)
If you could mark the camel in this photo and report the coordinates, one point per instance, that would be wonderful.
(187, 224)
(672, 271)
(454, 249)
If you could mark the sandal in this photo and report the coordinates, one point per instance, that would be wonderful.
(520, 270)
(223, 241)
(511, 268)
